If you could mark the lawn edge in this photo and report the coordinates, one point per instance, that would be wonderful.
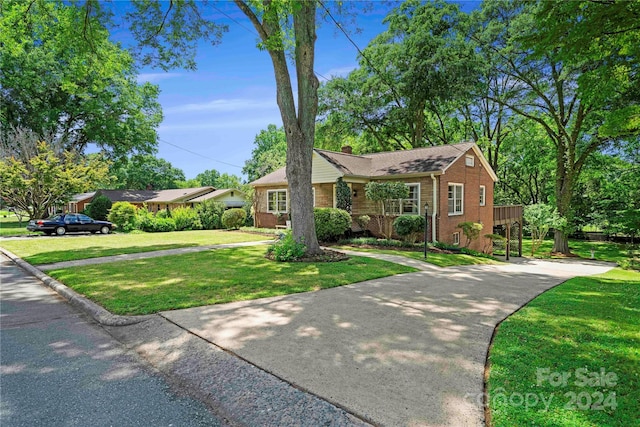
(96, 312)
(487, 364)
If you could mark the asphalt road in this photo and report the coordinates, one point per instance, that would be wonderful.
(58, 368)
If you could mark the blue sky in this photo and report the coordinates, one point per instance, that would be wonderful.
(216, 111)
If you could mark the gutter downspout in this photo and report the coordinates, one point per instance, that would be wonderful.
(434, 213)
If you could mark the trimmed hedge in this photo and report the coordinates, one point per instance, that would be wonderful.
(234, 218)
(331, 223)
(409, 227)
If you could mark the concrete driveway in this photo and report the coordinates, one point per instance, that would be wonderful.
(407, 350)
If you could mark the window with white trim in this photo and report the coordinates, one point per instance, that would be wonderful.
(470, 161)
(456, 199)
(483, 195)
(456, 238)
(408, 206)
(277, 201)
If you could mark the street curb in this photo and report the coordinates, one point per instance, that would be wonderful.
(99, 314)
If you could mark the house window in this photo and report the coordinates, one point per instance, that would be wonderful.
(276, 200)
(470, 161)
(456, 238)
(455, 199)
(408, 206)
(483, 197)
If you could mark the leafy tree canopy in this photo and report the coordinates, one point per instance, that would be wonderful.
(146, 172)
(60, 75)
(269, 153)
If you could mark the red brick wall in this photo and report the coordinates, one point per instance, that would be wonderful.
(472, 178)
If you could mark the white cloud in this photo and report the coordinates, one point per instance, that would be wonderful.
(155, 77)
(339, 72)
(224, 106)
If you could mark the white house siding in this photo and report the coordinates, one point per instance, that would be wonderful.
(322, 171)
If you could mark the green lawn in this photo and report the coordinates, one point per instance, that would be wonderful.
(603, 251)
(9, 225)
(211, 277)
(586, 329)
(439, 259)
(56, 249)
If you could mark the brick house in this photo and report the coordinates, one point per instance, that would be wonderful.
(456, 182)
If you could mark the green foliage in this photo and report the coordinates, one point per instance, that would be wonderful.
(497, 240)
(540, 218)
(287, 249)
(372, 241)
(363, 221)
(384, 194)
(186, 218)
(99, 208)
(144, 172)
(210, 213)
(269, 153)
(471, 231)
(409, 227)
(38, 178)
(331, 223)
(61, 75)
(234, 218)
(123, 214)
(343, 195)
(208, 178)
(160, 222)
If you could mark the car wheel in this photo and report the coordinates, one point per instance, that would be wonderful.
(60, 231)
(105, 229)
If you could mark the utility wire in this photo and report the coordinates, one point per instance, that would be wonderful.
(198, 154)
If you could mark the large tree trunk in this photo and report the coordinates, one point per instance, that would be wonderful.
(564, 190)
(299, 126)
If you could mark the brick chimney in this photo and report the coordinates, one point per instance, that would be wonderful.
(347, 149)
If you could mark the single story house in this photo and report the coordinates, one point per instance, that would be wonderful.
(456, 182)
(229, 197)
(156, 200)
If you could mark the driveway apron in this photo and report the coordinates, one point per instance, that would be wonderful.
(406, 350)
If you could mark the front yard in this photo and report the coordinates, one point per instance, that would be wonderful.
(57, 249)
(570, 357)
(211, 277)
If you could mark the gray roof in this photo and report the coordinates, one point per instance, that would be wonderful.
(132, 196)
(376, 165)
(179, 194)
(83, 196)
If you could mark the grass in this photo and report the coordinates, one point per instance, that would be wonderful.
(56, 249)
(211, 277)
(9, 225)
(579, 328)
(435, 258)
(603, 251)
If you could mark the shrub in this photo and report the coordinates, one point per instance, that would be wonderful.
(163, 225)
(409, 227)
(210, 213)
(99, 208)
(471, 231)
(123, 215)
(287, 249)
(248, 210)
(343, 195)
(363, 221)
(163, 213)
(186, 219)
(234, 218)
(331, 223)
(498, 240)
(373, 241)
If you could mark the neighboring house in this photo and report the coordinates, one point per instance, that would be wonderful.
(231, 198)
(156, 200)
(79, 202)
(456, 181)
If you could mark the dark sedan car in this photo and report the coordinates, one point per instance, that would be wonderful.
(62, 224)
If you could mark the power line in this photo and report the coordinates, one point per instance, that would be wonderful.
(198, 154)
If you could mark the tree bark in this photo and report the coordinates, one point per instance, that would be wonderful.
(299, 126)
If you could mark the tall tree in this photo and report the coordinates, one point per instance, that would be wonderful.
(269, 153)
(146, 172)
(171, 32)
(548, 93)
(409, 77)
(60, 75)
(36, 176)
